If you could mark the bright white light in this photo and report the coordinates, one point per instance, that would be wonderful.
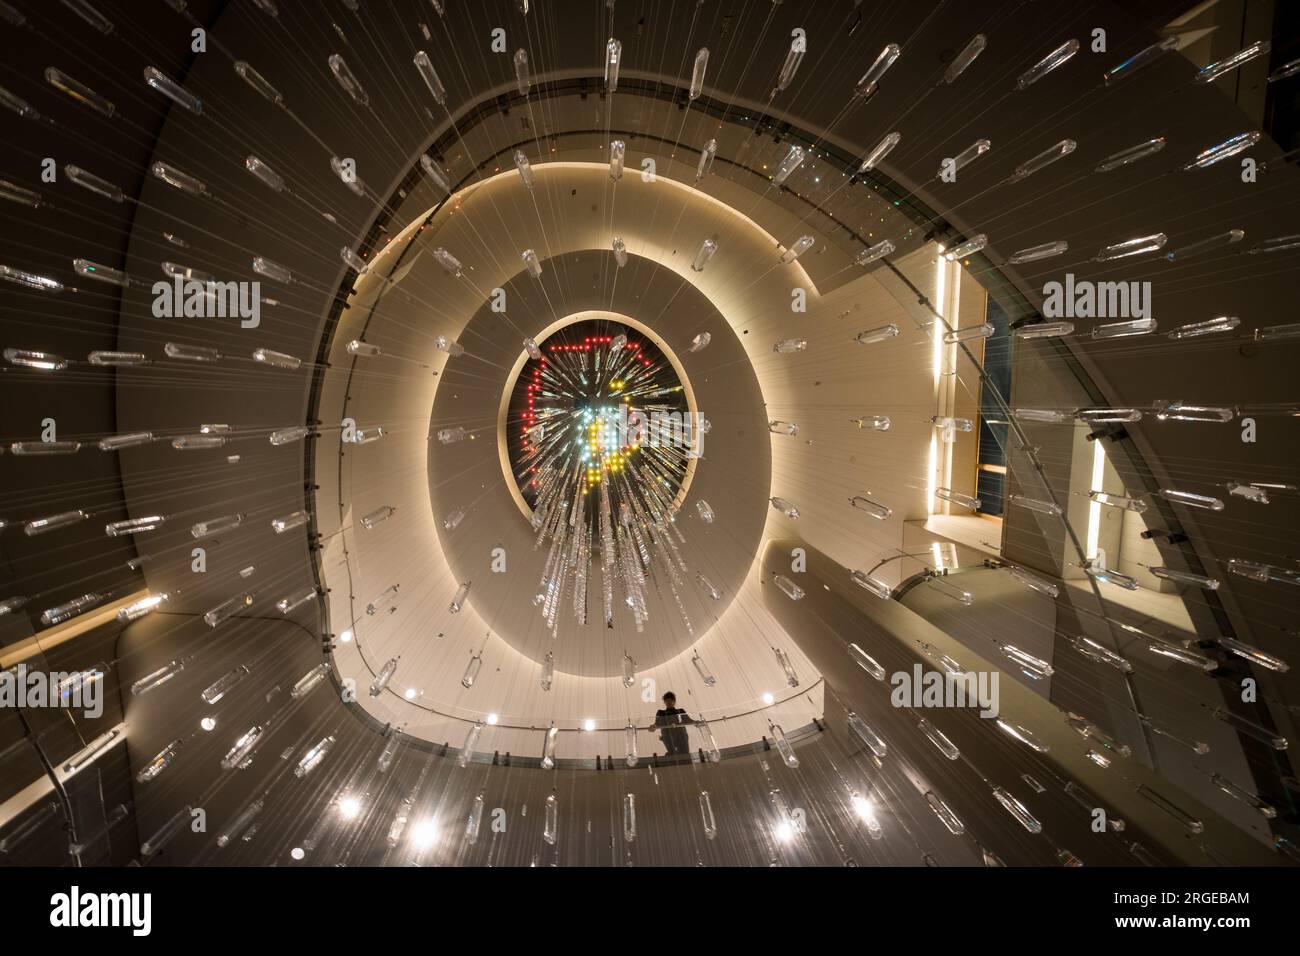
(954, 319)
(940, 288)
(411, 693)
(1094, 509)
(784, 832)
(345, 637)
(492, 719)
(297, 853)
(932, 484)
(768, 699)
(208, 723)
(588, 724)
(862, 807)
(349, 808)
(423, 835)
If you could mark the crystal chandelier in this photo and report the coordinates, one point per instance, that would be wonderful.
(601, 442)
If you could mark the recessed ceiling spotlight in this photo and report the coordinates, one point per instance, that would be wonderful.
(424, 834)
(862, 806)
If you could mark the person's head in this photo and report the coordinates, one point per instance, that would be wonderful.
(670, 699)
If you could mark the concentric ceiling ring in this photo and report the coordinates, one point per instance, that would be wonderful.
(467, 475)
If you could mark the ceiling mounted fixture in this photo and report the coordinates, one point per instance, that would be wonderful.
(601, 441)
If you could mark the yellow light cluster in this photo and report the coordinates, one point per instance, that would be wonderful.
(604, 459)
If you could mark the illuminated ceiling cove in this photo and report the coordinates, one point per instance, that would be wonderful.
(403, 398)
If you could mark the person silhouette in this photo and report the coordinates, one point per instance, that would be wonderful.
(671, 721)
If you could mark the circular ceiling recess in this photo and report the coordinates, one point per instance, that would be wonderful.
(604, 548)
(581, 413)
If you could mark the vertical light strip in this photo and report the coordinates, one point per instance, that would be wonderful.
(930, 485)
(932, 473)
(950, 390)
(940, 287)
(1094, 509)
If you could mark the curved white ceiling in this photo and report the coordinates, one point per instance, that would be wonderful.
(827, 463)
(468, 475)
